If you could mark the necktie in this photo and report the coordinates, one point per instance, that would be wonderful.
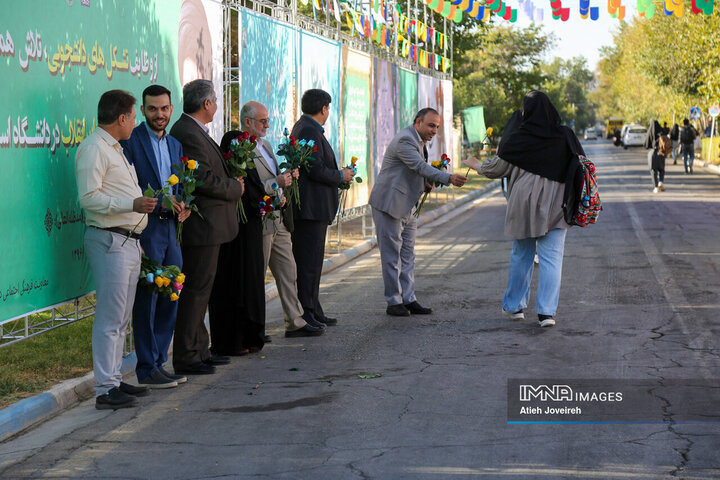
(425, 153)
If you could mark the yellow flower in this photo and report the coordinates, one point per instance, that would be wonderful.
(173, 180)
(436, 163)
(353, 160)
(173, 296)
(192, 164)
(180, 278)
(159, 281)
(166, 281)
(266, 198)
(489, 131)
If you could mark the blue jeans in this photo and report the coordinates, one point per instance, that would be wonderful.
(688, 152)
(549, 249)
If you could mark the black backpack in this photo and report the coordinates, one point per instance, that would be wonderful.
(687, 136)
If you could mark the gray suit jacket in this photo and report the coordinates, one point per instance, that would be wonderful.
(267, 177)
(401, 180)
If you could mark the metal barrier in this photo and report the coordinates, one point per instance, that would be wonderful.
(50, 318)
(361, 211)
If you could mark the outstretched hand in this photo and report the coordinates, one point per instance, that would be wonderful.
(472, 162)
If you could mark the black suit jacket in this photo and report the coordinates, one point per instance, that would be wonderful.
(217, 197)
(319, 186)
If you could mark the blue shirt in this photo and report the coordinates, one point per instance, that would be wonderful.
(162, 154)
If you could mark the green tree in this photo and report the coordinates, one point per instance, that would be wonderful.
(567, 83)
(496, 67)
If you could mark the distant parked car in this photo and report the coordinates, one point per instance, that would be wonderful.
(590, 134)
(634, 136)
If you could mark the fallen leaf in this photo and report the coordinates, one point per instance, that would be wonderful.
(373, 375)
(294, 369)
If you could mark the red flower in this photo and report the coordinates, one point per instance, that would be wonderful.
(292, 141)
(227, 155)
(184, 159)
(244, 136)
(444, 157)
(253, 139)
(315, 148)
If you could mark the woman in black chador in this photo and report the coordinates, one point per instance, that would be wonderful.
(237, 302)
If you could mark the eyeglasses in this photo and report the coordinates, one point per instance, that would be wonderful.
(264, 121)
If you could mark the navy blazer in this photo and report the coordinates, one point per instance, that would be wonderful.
(139, 152)
(318, 187)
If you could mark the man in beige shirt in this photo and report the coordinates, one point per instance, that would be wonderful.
(114, 210)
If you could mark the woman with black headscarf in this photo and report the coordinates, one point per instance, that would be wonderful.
(656, 155)
(237, 302)
(534, 154)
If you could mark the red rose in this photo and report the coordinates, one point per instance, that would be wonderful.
(253, 139)
(227, 155)
(315, 148)
(292, 138)
(292, 141)
(184, 159)
(243, 136)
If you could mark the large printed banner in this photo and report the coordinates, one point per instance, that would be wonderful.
(431, 93)
(356, 120)
(385, 97)
(267, 55)
(407, 100)
(319, 67)
(56, 59)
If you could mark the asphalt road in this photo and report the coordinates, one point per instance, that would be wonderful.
(639, 301)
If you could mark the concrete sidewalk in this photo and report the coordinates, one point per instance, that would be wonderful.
(31, 411)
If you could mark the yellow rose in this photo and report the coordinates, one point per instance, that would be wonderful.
(192, 164)
(159, 281)
(166, 281)
(353, 160)
(173, 296)
(173, 180)
(180, 278)
(436, 163)
(489, 131)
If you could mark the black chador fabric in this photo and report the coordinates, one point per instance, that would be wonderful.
(653, 134)
(237, 302)
(535, 140)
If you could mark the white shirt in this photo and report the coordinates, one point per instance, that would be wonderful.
(107, 184)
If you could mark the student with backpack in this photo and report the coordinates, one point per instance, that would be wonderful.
(660, 146)
(675, 137)
(535, 155)
(687, 142)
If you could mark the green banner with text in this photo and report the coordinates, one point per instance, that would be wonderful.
(56, 59)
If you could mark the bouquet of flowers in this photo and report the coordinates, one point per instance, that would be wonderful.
(296, 153)
(268, 205)
(165, 280)
(344, 187)
(239, 160)
(185, 174)
(440, 165)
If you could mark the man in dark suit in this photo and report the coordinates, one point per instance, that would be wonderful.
(216, 199)
(153, 152)
(318, 204)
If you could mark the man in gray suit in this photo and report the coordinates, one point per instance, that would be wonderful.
(403, 177)
(277, 246)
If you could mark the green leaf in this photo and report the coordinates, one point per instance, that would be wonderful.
(167, 203)
(372, 375)
(149, 192)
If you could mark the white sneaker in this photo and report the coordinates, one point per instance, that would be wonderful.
(661, 186)
(546, 322)
(656, 190)
(519, 315)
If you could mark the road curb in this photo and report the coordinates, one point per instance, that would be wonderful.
(28, 412)
(709, 166)
(31, 411)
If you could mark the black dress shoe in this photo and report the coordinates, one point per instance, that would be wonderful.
(267, 338)
(416, 309)
(133, 390)
(198, 368)
(217, 360)
(310, 320)
(306, 331)
(328, 321)
(114, 399)
(398, 310)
